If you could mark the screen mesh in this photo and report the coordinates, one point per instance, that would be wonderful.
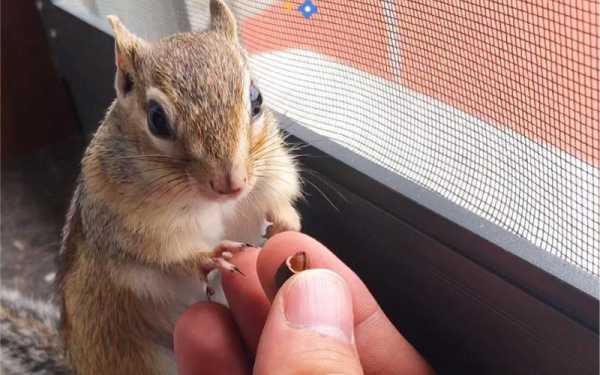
(492, 104)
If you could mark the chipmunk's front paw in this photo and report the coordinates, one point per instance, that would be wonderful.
(282, 221)
(226, 249)
(220, 256)
(225, 265)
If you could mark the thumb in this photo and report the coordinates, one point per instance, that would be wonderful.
(310, 328)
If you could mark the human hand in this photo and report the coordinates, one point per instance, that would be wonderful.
(321, 321)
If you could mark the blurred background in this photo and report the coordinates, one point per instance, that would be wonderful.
(41, 146)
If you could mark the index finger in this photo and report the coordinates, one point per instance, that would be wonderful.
(381, 347)
(247, 300)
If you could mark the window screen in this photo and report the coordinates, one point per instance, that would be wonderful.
(492, 104)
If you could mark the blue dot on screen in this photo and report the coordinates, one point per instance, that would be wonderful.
(308, 8)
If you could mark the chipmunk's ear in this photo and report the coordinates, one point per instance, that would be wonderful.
(222, 20)
(127, 51)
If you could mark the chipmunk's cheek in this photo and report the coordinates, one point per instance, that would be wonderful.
(251, 182)
(258, 126)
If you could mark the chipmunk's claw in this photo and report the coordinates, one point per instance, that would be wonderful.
(268, 231)
(267, 227)
(222, 264)
(209, 292)
(224, 252)
(285, 219)
(226, 249)
(236, 269)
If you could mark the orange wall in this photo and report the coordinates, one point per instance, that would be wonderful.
(531, 65)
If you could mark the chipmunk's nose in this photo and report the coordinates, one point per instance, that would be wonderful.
(230, 181)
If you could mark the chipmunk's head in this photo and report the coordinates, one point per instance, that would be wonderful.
(192, 106)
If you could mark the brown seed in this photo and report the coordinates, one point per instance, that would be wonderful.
(291, 266)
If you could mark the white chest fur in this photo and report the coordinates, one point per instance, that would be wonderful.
(205, 224)
(200, 228)
(176, 291)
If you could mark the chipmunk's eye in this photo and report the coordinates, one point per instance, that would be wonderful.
(158, 122)
(255, 101)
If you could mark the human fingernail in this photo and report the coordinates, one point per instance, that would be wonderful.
(319, 300)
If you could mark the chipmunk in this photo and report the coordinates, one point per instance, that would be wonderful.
(183, 171)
